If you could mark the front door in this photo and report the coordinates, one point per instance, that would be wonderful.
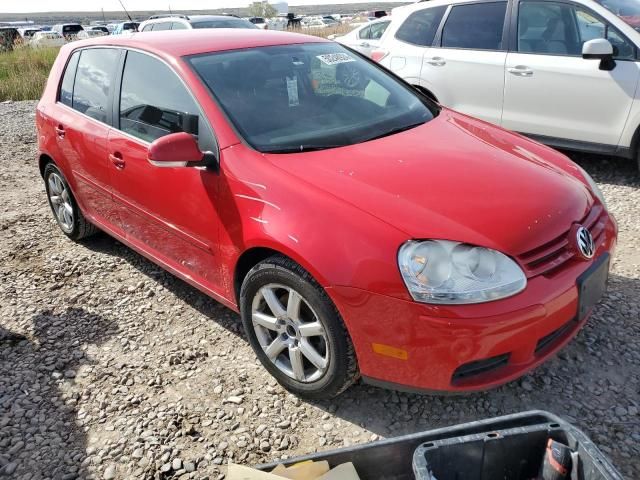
(166, 212)
(551, 91)
(466, 64)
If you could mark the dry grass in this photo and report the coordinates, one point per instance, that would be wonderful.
(24, 72)
(340, 29)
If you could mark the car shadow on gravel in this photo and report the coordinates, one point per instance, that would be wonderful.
(608, 170)
(205, 305)
(39, 432)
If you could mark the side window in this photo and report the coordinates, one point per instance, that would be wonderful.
(94, 82)
(377, 30)
(365, 33)
(476, 26)
(148, 28)
(590, 28)
(150, 110)
(66, 87)
(178, 26)
(161, 26)
(547, 28)
(420, 27)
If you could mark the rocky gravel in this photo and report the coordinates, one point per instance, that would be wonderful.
(111, 368)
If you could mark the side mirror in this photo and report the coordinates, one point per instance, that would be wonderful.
(180, 150)
(599, 49)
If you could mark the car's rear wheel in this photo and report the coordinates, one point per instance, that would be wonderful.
(64, 206)
(296, 331)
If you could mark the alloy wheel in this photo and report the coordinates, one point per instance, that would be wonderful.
(290, 332)
(60, 201)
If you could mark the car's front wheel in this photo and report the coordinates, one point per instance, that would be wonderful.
(296, 331)
(64, 206)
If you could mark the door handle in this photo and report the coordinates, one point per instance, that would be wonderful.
(521, 71)
(365, 44)
(117, 160)
(437, 62)
(60, 131)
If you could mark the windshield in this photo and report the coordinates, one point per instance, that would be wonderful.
(627, 10)
(293, 98)
(224, 23)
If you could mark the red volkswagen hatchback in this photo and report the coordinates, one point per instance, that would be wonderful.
(359, 228)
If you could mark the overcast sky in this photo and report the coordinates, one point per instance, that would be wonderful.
(19, 6)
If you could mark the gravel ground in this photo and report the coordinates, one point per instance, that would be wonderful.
(112, 368)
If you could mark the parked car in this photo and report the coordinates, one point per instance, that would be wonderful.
(98, 28)
(8, 38)
(91, 33)
(68, 30)
(360, 231)
(27, 33)
(365, 38)
(563, 73)
(195, 21)
(125, 27)
(259, 22)
(47, 39)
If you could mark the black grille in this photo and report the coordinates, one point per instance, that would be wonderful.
(557, 334)
(479, 367)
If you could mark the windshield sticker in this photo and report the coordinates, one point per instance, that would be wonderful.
(335, 58)
(292, 91)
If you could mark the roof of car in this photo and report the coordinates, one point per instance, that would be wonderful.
(191, 42)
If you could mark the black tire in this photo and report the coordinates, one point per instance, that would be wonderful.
(342, 369)
(80, 227)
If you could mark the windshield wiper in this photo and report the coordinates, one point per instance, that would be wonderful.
(395, 130)
(299, 148)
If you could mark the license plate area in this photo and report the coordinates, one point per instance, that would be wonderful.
(592, 284)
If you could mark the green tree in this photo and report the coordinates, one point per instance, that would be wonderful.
(262, 9)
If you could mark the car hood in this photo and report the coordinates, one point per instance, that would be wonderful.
(453, 178)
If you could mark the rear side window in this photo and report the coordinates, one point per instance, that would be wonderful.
(94, 82)
(162, 26)
(178, 26)
(150, 110)
(66, 87)
(477, 26)
(421, 26)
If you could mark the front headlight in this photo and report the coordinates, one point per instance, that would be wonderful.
(446, 272)
(593, 185)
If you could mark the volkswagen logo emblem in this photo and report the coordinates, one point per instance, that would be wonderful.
(585, 243)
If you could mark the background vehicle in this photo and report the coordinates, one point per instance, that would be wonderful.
(365, 38)
(357, 287)
(47, 39)
(27, 33)
(91, 32)
(68, 30)
(194, 21)
(551, 75)
(98, 28)
(259, 22)
(125, 27)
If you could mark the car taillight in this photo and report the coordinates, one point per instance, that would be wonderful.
(378, 55)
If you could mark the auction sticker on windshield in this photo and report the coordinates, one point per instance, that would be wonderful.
(335, 58)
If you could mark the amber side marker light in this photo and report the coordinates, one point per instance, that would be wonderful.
(389, 351)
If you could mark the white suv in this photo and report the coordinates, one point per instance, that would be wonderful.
(564, 72)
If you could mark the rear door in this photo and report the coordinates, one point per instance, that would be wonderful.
(411, 42)
(167, 212)
(82, 121)
(466, 65)
(552, 92)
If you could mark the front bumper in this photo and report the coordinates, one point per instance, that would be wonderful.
(467, 347)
